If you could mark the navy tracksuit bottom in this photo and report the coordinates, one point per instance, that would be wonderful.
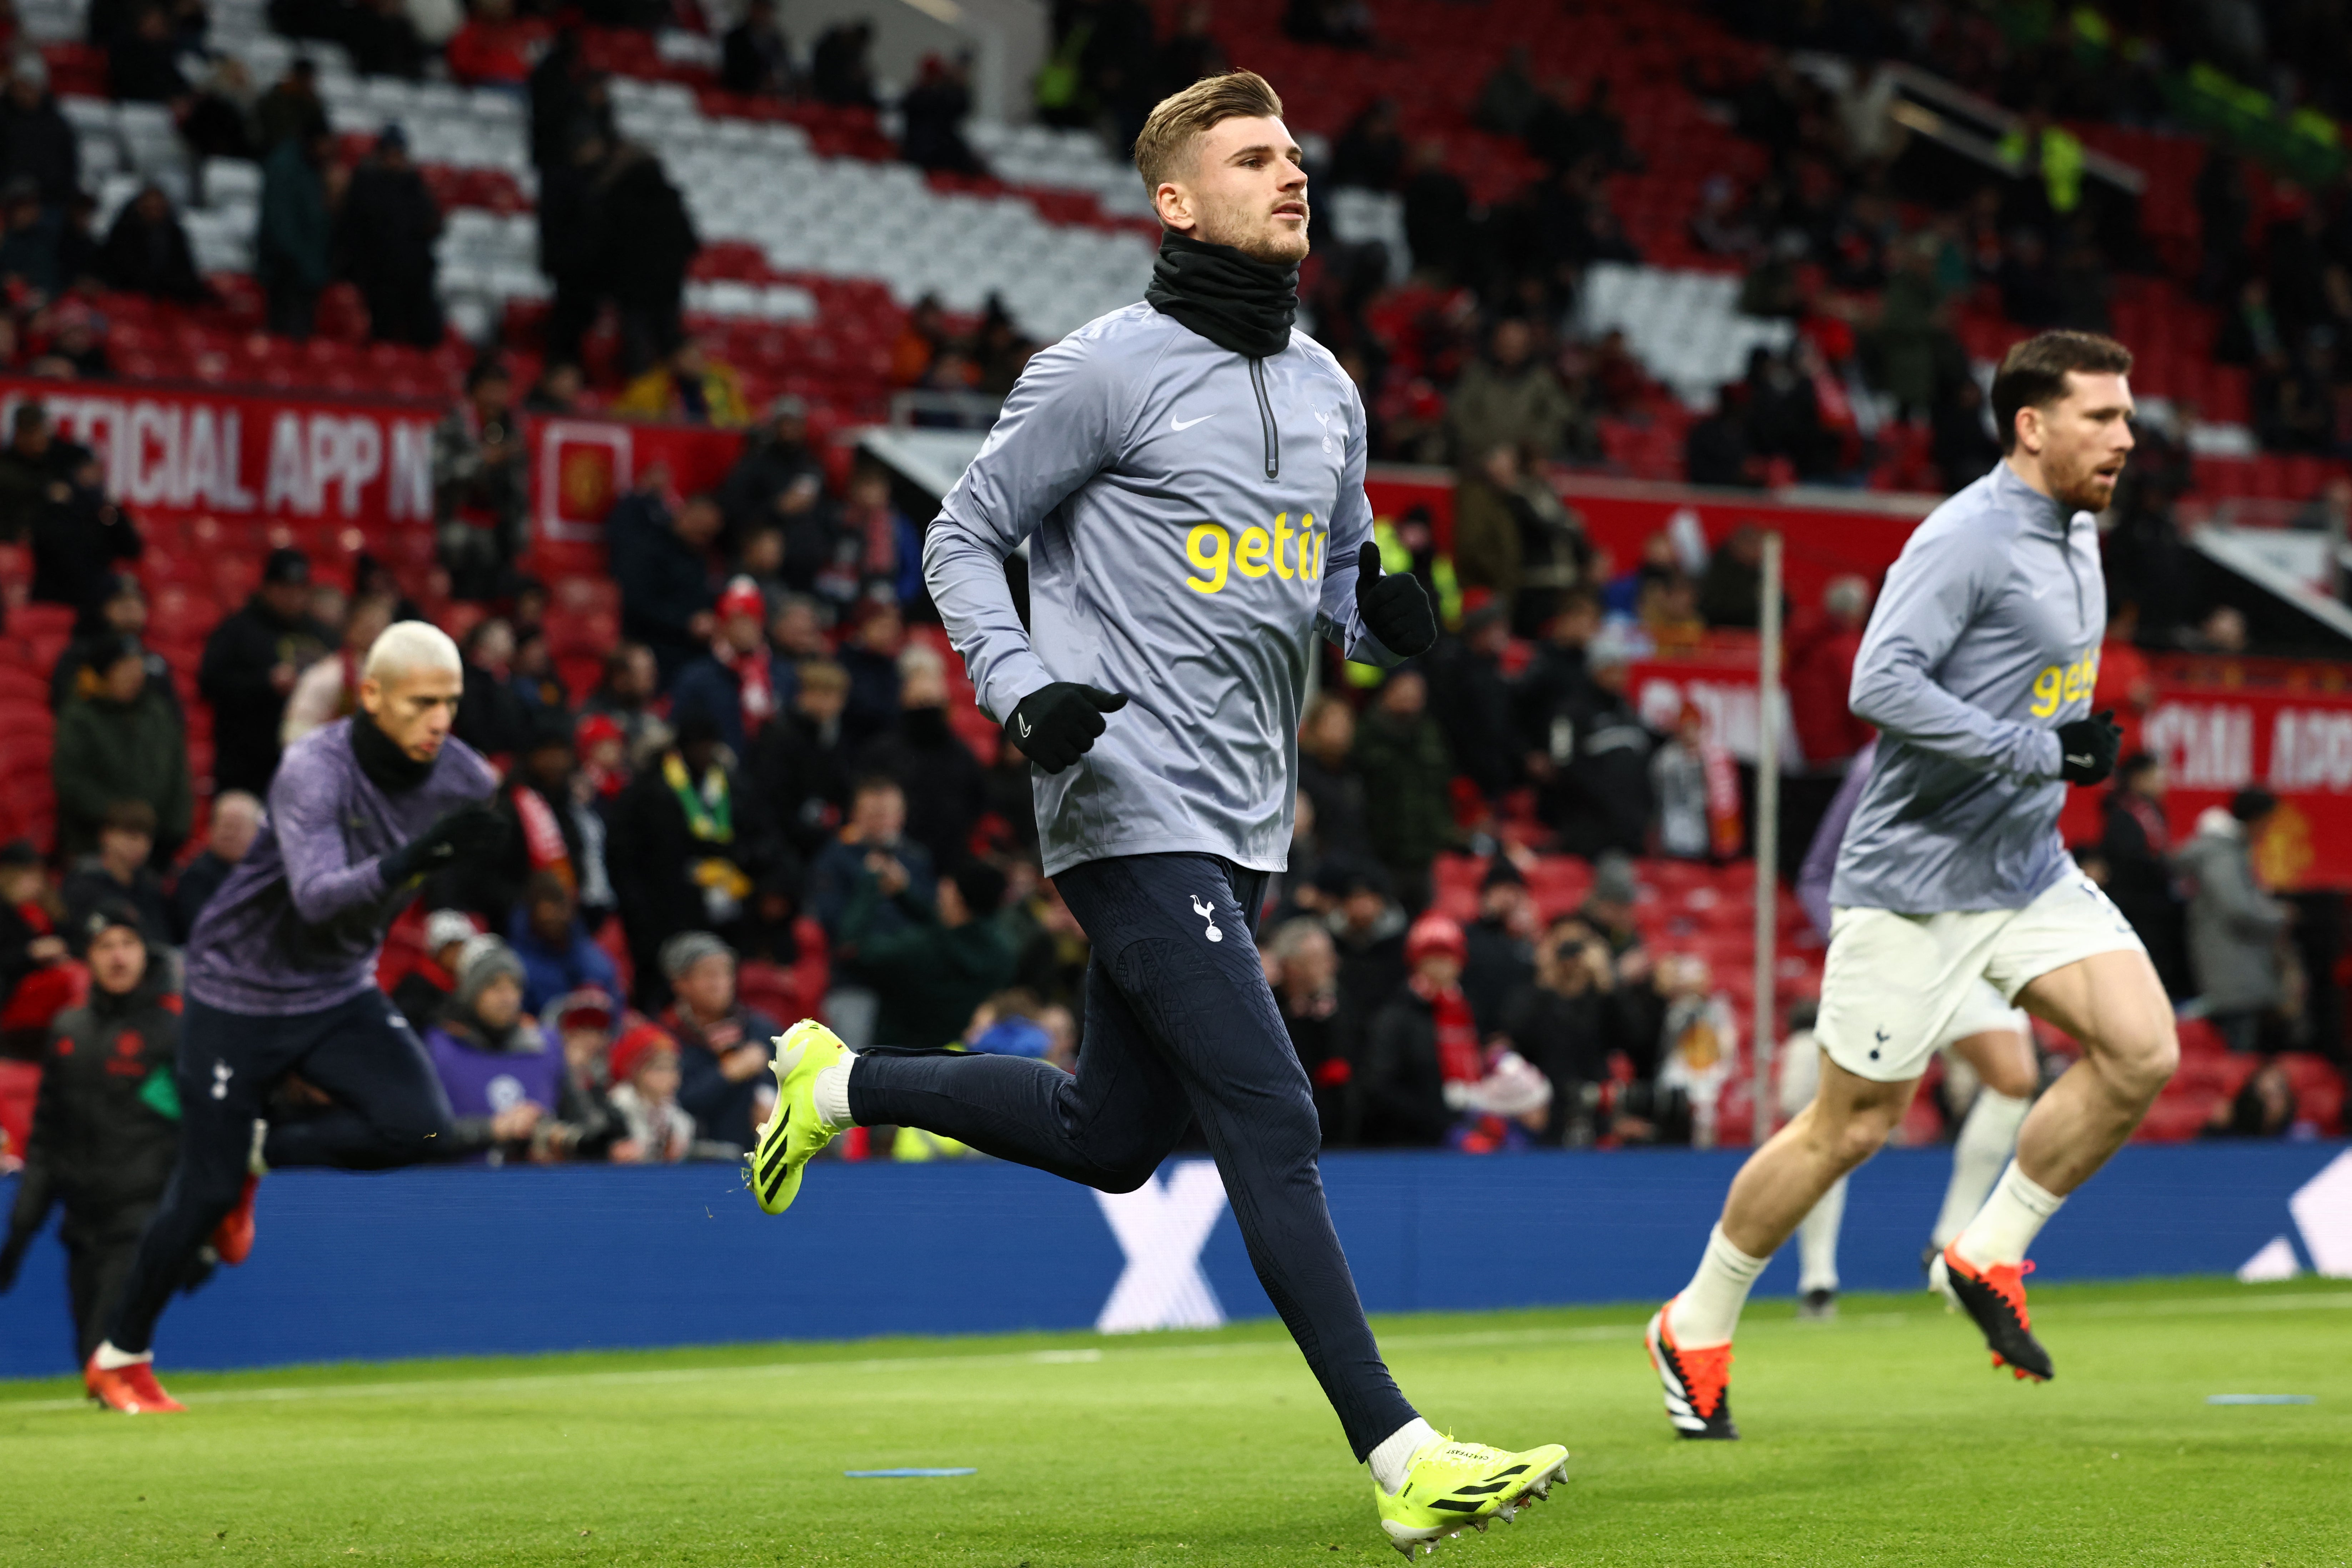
(1180, 1023)
(389, 1110)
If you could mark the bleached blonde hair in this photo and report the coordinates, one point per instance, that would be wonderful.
(407, 647)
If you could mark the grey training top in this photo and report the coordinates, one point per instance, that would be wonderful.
(298, 924)
(1196, 517)
(1985, 640)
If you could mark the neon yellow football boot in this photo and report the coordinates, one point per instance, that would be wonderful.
(1450, 1486)
(795, 1131)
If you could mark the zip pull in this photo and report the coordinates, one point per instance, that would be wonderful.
(1265, 418)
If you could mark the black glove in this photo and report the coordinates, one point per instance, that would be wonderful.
(1395, 608)
(466, 833)
(2087, 748)
(1055, 725)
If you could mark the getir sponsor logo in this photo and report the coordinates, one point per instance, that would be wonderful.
(2060, 684)
(1217, 552)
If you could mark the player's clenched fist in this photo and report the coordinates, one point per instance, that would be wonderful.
(1395, 608)
(1055, 725)
(2087, 748)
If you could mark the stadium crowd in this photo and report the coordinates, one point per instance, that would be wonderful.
(774, 774)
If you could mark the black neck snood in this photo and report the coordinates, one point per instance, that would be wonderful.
(1233, 300)
(386, 765)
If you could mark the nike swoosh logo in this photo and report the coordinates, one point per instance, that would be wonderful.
(1176, 424)
(2079, 762)
(1024, 725)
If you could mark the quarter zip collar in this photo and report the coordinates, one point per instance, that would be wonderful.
(2047, 516)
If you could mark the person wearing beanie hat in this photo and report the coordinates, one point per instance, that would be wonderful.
(108, 1125)
(1501, 955)
(124, 741)
(1421, 1053)
(492, 1061)
(741, 682)
(724, 1046)
(250, 664)
(654, 1130)
(420, 992)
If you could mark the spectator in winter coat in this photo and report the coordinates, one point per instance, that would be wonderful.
(382, 40)
(1408, 771)
(143, 66)
(946, 955)
(496, 1067)
(557, 956)
(1326, 776)
(294, 247)
(555, 830)
(121, 871)
(1510, 398)
(37, 974)
(626, 696)
(1423, 1042)
(79, 538)
(119, 610)
(877, 825)
(1820, 669)
(688, 845)
(778, 482)
(739, 682)
(800, 766)
(106, 1129)
(237, 822)
(687, 388)
(650, 242)
(1563, 1022)
(871, 657)
(481, 485)
(1304, 968)
(2138, 844)
(2234, 927)
(330, 689)
(663, 565)
(125, 744)
(1471, 699)
(386, 226)
(723, 1046)
(1597, 795)
(291, 110)
(146, 252)
(1367, 930)
(754, 58)
(943, 782)
(421, 993)
(654, 1130)
(491, 717)
(35, 466)
(37, 140)
(1498, 954)
(251, 663)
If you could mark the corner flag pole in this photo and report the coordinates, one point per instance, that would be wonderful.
(1767, 829)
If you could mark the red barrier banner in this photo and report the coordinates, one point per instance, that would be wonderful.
(1819, 541)
(240, 455)
(580, 467)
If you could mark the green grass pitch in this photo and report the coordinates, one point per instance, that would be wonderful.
(1883, 1437)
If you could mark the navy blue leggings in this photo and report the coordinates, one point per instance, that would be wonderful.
(1179, 1024)
(389, 1110)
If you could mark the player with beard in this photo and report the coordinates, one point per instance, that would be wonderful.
(1977, 669)
(281, 979)
(1188, 473)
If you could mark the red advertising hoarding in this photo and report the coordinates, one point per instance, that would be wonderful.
(256, 456)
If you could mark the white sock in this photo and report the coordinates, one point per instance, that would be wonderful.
(1817, 1242)
(1708, 1309)
(1393, 1457)
(831, 1093)
(1987, 1136)
(108, 1359)
(2020, 1206)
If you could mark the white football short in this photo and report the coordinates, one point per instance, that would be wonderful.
(1897, 988)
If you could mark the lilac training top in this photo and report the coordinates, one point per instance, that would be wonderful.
(297, 926)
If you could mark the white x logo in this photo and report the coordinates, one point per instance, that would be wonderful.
(1161, 1229)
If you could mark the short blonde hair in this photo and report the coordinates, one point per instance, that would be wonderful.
(408, 646)
(1166, 141)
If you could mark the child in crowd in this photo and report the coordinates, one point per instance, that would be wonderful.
(655, 1129)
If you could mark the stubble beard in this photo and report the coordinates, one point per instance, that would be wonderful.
(1261, 239)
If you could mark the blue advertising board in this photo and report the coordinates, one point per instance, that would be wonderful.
(469, 1261)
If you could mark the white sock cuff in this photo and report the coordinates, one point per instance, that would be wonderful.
(831, 1093)
(108, 1359)
(2036, 1198)
(1730, 1259)
(1393, 1457)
